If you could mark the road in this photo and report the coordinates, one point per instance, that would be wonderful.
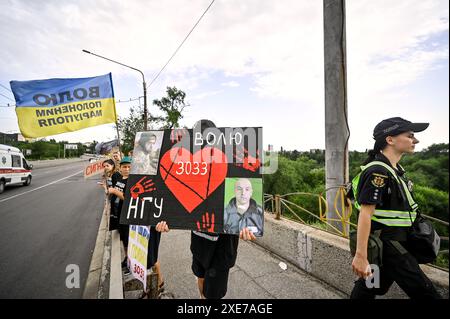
(44, 228)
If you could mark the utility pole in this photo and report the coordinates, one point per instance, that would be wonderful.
(336, 116)
(143, 83)
(145, 102)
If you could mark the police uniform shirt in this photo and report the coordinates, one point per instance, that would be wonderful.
(377, 187)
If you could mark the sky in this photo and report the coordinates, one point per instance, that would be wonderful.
(248, 62)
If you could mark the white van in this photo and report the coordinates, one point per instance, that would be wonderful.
(14, 169)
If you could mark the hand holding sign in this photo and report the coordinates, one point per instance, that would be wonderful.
(246, 161)
(142, 187)
(162, 227)
(177, 135)
(207, 225)
(246, 234)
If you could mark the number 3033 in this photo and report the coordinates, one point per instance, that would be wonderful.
(192, 168)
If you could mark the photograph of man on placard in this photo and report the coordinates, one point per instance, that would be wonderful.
(245, 208)
(146, 152)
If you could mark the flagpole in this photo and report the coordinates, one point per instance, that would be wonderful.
(117, 128)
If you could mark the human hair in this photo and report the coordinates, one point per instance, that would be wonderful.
(145, 138)
(203, 125)
(113, 164)
(379, 145)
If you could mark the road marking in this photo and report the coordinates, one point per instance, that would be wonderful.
(50, 169)
(35, 189)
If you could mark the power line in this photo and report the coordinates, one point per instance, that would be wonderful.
(129, 100)
(178, 48)
(5, 87)
(7, 97)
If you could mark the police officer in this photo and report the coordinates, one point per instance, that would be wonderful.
(383, 196)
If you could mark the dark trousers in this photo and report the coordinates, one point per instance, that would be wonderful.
(401, 267)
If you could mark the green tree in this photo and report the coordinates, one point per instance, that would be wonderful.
(129, 126)
(38, 149)
(436, 149)
(172, 107)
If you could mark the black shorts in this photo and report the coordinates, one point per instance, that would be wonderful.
(216, 279)
(153, 247)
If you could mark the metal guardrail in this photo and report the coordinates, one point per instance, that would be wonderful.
(278, 203)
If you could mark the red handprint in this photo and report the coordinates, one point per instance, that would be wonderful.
(246, 161)
(207, 225)
(141, 188)
(177, 135)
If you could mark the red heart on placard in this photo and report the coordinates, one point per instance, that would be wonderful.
(192, 183)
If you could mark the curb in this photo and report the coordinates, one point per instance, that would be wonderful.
(98, 276)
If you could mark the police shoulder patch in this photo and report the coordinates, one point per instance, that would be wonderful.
(378, 180)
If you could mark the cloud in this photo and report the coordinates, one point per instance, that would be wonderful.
(203, 95)
(277, 45)
(231, 84)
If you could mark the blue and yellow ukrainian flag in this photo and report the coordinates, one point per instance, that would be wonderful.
(55, 106)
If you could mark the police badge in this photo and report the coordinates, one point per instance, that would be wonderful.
(410, 186)
(378, 180)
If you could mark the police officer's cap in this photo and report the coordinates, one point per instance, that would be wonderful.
(395, 126)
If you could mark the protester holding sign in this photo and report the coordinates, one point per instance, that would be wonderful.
(185, 178)
(111, 174)
(195, 179)
(117, 192)
(155, 237)
(213, 254)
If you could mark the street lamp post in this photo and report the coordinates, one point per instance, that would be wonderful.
(143, 83)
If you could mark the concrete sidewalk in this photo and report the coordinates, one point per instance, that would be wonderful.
(256, 275)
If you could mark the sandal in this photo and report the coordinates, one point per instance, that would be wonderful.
(161, 287)
(144, 295)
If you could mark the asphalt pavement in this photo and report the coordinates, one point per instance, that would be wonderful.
(48, 231)
(257, 274)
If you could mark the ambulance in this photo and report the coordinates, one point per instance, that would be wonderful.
(14, 169)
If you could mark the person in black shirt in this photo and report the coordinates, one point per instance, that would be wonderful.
(213, 255)
(385, 208)
(111, 174)
(110, 177)
(117, 196)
